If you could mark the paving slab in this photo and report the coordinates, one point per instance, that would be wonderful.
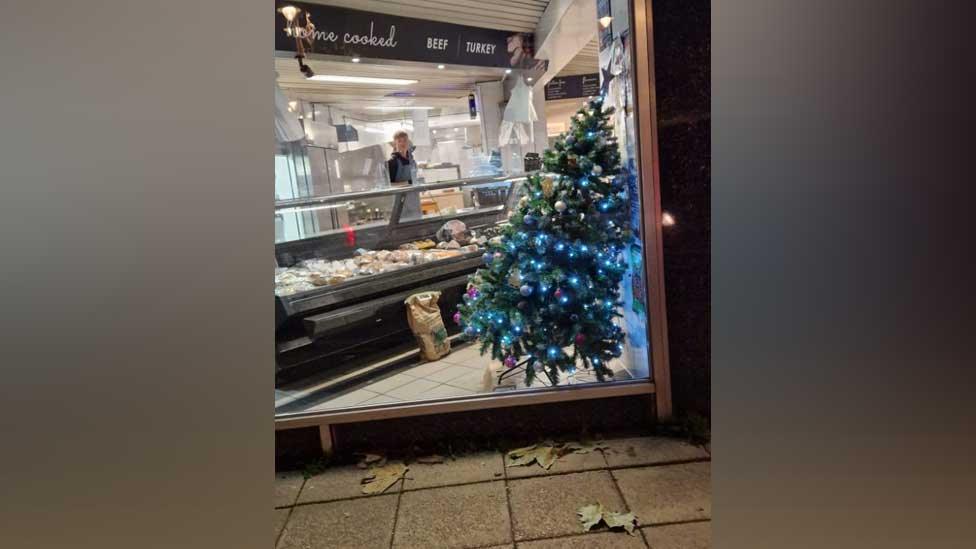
(667, 493)
(280, 517)
(464, 469)
(693, 535)
(286, 488)
(546, 506)
(566, 464)
(475, 515)
(363, 523)
(595, 540)
(338, 483)
(650, 451)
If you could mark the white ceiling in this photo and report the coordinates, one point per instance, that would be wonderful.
(585, 62)
(435, 87)
(510, 15)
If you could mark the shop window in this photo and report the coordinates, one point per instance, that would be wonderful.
(384, 249)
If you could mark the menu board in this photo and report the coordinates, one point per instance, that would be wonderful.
(569, 87)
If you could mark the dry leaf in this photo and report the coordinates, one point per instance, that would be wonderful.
(585, 447)
(617, 520)
(590, 516)
(380, 478)
(369, 459)
(430, 460)
(545, 456)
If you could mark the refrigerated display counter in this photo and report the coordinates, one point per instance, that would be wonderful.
(341, 291)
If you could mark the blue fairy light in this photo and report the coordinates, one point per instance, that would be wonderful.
(553, 352)
(560, 247)
(506, 340)
(604, 205)
(574, 280)
(564, 300)
(595, 361)
(584, 248)
(517, 329)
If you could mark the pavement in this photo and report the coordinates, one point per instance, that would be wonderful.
(476, 502)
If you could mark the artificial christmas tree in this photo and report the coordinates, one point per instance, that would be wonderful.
(549, 291)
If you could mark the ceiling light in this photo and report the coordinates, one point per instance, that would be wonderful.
(667, 219)
(440, 66)
(508, 71)
(529, 79)
(605, 21)
(403, 108)
(361, 80)
(355, 60)
(289, 12)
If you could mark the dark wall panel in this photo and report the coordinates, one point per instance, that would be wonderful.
(682, 67)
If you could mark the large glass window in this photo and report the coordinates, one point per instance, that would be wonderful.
(402, 209)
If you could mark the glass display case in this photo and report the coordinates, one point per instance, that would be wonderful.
(343, 287)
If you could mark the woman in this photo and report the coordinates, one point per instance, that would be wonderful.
(403, 171)
(402, 166)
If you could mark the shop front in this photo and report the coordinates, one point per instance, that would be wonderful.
(466, 209)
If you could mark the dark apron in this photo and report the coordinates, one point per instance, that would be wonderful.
(411, 205)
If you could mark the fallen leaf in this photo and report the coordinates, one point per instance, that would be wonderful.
(585, 447)
(545, 456)
(627, 521)
(430, 460)
(590, 516)
(369, 459)
(382, 477)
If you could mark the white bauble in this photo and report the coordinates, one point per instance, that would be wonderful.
(560, 206)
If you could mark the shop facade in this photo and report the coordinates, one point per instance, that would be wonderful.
(411, 168)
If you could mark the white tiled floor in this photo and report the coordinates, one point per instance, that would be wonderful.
(460, 373)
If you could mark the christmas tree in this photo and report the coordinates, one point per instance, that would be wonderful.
(549, 292)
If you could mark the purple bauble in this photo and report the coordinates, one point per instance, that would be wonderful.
(469, 331)
(457, 317)
(522, 305)
(473, 292)
(510, 361)
(488, 258)
(525, 290)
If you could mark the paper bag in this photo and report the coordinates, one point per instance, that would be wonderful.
(424, 317)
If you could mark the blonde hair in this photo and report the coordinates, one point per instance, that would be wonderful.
(400, 133)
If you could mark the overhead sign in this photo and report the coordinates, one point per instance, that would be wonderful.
(332, 30)
(569, 87)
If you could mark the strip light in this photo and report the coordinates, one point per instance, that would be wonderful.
(403, 108)
(361, 80)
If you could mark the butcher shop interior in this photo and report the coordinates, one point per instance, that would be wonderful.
(394, 173)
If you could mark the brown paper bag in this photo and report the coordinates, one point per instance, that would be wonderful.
(424, 317)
